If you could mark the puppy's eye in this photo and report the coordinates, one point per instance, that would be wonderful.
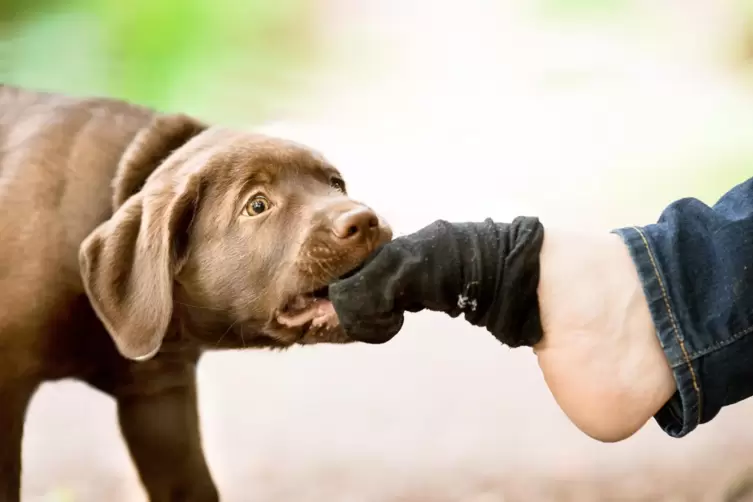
(256, 205)
(337, 184)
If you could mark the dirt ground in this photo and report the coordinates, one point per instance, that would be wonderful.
(460, 126)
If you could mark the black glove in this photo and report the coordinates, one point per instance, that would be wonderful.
(488, 271)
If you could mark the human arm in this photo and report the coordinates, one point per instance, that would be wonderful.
(652, 321)
(574, 297)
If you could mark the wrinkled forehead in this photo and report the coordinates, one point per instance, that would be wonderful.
(244, 159)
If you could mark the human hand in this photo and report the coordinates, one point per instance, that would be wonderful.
(488, 271)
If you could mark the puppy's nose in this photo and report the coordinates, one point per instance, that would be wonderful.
(356, 223)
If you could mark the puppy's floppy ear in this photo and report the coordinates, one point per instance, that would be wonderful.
(129, 262)
(152, 145)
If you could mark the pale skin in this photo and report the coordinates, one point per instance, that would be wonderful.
(600, 355)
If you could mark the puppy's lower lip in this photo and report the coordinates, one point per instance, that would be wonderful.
(305, 309)
(311, 308)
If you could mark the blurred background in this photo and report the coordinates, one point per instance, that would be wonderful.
(587, 113)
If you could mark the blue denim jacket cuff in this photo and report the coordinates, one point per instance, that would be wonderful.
(682, 413)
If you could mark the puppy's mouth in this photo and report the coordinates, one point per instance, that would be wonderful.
(308, 309)
(312, 309)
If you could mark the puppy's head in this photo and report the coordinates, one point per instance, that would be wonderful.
(235, 236)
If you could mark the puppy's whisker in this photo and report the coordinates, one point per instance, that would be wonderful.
(326, 268)
(217, 343)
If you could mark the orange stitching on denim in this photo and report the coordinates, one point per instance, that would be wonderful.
(672, 320)
(721, 344)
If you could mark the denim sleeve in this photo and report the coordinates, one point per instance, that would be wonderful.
(696, 267)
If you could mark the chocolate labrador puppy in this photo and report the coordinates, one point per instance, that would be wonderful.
(132, 240)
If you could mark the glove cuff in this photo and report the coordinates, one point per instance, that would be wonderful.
(503, 270)
(519, 318)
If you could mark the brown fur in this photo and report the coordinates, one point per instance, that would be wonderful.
(125, 252)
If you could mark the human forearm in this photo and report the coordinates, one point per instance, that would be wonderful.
(696, 270)
(655, 321)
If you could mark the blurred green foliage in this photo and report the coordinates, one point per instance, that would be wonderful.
(241, 60)
(220, 59)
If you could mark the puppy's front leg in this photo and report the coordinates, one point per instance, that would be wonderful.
(159, 420)
(14, 399)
